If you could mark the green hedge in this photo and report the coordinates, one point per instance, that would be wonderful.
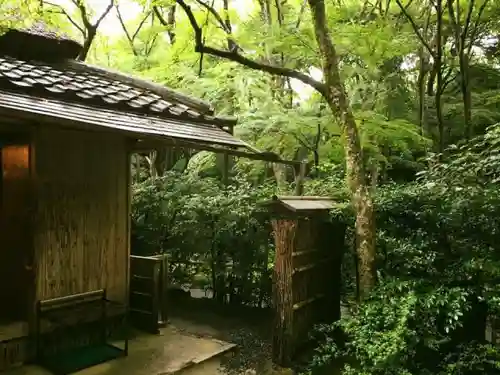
(211, 233)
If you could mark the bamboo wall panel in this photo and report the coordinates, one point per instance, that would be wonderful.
(306, 281)
(81, 228)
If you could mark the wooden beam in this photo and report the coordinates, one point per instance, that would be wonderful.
(302, 198)
(146, 146)
(152, 142)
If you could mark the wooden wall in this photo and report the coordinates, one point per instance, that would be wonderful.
(81, 239)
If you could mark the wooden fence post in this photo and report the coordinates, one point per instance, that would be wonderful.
(283, 340)
(306, 272)
(163, 319)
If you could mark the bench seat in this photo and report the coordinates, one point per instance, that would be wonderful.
(75, 332)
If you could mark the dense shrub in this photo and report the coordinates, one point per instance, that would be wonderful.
(438, 260)
(438, 270)
(212, 234)
(439, 263)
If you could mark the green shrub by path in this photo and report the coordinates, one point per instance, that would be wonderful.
(206, 229)
(438, 272)
(438, 260)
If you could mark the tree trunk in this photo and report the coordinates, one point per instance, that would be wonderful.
(171, 21)
(153, 172)
(279, 171)
(466, 94)
(336, 98)
(334, 94)
(422, 73)
(463, 59)
(87, 43)
(439, 71)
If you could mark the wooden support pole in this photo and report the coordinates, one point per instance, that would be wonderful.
(306, 278)
(226, 170)
(283, 337)
(227, 161)
(163, 290)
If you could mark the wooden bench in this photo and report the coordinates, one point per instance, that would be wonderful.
(74, 332)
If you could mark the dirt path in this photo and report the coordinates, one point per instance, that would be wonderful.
(250, 329)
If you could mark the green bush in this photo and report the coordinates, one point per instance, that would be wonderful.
(209, 231)
(439, 263)
(438, 271)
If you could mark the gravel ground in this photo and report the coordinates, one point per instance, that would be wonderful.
(249, 329)
(254, 352)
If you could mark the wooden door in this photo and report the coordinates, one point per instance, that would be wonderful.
(15, 238)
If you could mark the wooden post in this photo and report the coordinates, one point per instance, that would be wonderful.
(306, 275)
(163, 319)
(225, 176)
(227, 162)
(156, 295)
(283, 338)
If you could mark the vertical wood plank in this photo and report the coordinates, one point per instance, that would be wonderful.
(83, 213)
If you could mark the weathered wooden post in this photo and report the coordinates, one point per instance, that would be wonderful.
(163, 318)
(306, 285)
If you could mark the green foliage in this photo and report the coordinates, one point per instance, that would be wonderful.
(439, 266)
(407, 328)
(205, 228)
(438, 258)
(292, 123)
(475, 164)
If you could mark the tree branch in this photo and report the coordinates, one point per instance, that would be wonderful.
(150, 45)
(301, 13)
(85, 18)
(83, 13)
(131, 38)
(105, 13)
(225, 25)
(160, 17)
(231, 44)
(415, 28)
(217, 16)
(70, 19)
(236, 57)
(141, 24)
(124, 27)
(476, 26)
(169, 23)
(468, 19)
(455, 24)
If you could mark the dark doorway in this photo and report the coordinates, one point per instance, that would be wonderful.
(16, 246)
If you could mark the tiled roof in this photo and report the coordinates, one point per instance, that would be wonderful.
(66, 82)
(40, 80)
(53, 110)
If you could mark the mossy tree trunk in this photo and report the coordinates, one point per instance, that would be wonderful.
(333, 91)
(335, 96)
